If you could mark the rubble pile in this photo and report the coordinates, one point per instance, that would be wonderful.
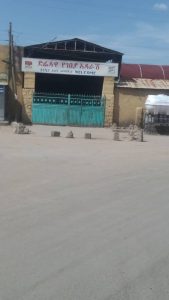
(20, 128)
(130, 133)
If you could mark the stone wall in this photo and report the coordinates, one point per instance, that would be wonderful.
(127, 101)
(108, 93)
(27, 91)
(4, 56)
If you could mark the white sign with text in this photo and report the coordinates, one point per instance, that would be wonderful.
(66, 67)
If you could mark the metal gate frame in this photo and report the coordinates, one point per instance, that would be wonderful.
(68, 109)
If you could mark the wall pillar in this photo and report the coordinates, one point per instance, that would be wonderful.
(108, 92)
(28, 90)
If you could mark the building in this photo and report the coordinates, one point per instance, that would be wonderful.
(10, 84)
(135, 84)
(4, 53)
(75, 82)
(69, 82)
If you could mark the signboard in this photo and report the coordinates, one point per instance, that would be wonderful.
(66, 67)
(3, 79)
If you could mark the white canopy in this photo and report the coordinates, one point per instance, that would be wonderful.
(157, 104)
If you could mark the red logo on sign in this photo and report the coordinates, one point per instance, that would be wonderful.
(28, 63)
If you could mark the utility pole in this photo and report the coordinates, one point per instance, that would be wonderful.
(10, 54)
(13, 69)
(12, 61)
(12, 75)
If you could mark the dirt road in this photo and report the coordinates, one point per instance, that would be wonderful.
(83, 219)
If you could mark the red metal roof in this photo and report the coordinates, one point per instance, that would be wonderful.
(142, 83)
(129, 71)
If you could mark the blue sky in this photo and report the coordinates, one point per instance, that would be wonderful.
(139, 29)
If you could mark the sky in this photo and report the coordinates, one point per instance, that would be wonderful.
(138, 29)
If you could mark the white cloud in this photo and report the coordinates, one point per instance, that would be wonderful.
(145, 44)
(157, 33)
(160, 6)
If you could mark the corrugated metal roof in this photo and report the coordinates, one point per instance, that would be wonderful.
(140, 83)
(129, 71)
(73, 49)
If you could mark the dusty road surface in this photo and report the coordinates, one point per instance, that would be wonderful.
(83, 219)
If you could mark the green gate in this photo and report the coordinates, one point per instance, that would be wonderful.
(68, 109)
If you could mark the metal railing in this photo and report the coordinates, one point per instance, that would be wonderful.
(68, 99)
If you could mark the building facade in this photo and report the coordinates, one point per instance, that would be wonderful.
(11, 80)
(4, 53)
(135, 84)
(69, 82)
